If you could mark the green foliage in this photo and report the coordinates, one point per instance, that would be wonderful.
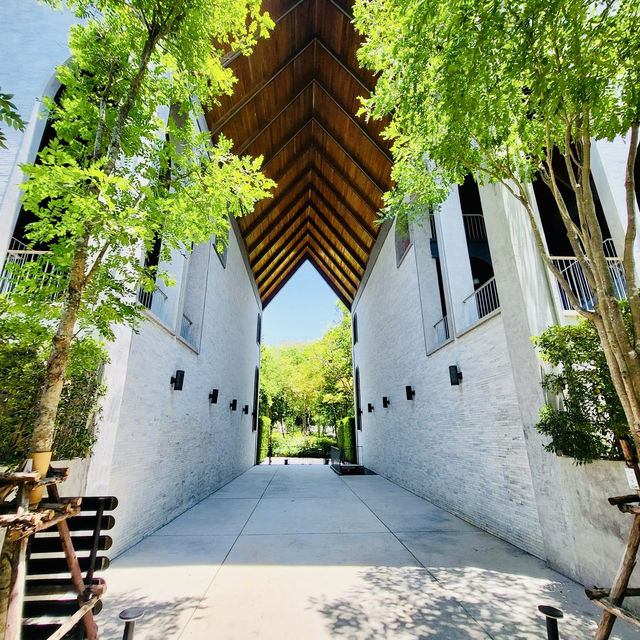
(117, 176)
(347, 438)
(301, 446)
(589, 420)
(309, 383)
(23, 354)
(9, 115)
(488, 87)
(264, 437)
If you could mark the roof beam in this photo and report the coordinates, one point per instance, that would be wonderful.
(356, 238)
(261, 217)
(324, 157)
(292, 230)
(361, 221)
(295, 98)
(342, 64)
(275, 154)
(353, 121)
(336, 267)
(236, 54)
(348, 154)
(272, 268)
(261, 85)
(354, 257)
(282, 265)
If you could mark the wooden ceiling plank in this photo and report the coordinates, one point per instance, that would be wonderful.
(354, 257)
(324, 157)
(236, 54)
(253, 224)
(262, 85)
(349, 155)
(273, 266)
(293, 100)
(296, 221)
(270, 230)
(354, 236)
(362, 222)
(295, 161)
(275, 271)
(342, 64)
(351, 279)
(275, 154)
(353, 121)
(282, 266)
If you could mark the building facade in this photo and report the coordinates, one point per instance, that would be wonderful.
(445, 311)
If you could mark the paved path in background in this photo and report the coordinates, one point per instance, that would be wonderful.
(300, 553)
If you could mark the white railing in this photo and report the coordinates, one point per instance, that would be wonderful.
(18, 257)
(440, 332)
(185, 328)
(474, 227)
(481, 302)
(572, 272)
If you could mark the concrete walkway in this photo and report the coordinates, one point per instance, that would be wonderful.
(299, 552)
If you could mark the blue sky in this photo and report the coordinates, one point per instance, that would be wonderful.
(302, 310)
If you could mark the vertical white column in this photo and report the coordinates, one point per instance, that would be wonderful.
(454, 260)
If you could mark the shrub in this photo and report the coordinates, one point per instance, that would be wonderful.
(347, 438)
(264, 431)
(589, 420)
(23, 356)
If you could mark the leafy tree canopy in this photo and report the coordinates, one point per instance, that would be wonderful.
(488, 87)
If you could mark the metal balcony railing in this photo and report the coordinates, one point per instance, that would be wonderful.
(146, 298)
(185, 328)
(577, 281)
(481, 302)
(440, 333)
(19, 259)
(474, 227)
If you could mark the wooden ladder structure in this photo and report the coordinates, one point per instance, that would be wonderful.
(40, 607)
(611, 600)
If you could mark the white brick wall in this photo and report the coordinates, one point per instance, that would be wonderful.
(461, 447)
(173, 448)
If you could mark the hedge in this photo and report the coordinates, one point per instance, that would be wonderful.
(264, 429)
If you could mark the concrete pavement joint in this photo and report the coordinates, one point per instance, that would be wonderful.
(217, 571)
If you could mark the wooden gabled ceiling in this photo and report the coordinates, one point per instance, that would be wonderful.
(294, 104)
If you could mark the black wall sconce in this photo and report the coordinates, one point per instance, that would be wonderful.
(455, 375)
(178, 380)
(213, 396)
(245, 409)
(233, 404)
(385, 402)
(370, 408)
(410, 391)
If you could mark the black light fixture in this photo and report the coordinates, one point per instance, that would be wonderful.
(233, 404)
(410, 391)
(385, 402)
(178, 380)
(370, 408)
(213, 396)
(245, 409)
(455, 375)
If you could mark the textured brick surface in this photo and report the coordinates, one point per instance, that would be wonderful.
(461, 447)
(173, 448)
